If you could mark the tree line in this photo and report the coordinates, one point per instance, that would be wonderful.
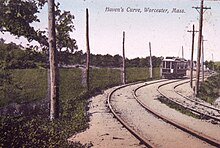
(14, 56)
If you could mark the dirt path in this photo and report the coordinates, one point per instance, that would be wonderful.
(104, 131)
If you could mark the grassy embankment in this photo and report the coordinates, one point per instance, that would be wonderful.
(36, 130)
(210, 89)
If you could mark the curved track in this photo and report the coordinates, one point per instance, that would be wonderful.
(205, 111)
(136, 134)
(124, 118)
(196, 100)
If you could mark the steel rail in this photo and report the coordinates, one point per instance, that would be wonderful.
(210, 107)
(130, 129)
(197, 134)
(186, 107)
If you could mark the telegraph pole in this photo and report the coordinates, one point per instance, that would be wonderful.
(88, 51)
(124, 68)
(151, 67)
(203, 58)
(199, 45)
(192, 52)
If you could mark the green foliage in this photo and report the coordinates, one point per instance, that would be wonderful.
(13, 57)
(35, 129)
(107, 60)
(210, 88)
(143, 62)
(16, 17)
(64, 25)
(178, 107)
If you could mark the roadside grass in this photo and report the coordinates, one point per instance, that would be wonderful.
(70, 83)
(210, 89)
(104, 77)
(141, 74)
(31, 86)
(35, 130)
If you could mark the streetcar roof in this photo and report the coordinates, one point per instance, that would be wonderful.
(174, 59)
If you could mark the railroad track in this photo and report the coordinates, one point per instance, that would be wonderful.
(141, 137)
(205, 111)
(129, 128)
(197, 101)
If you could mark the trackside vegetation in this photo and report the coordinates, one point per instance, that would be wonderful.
(210, 89)
(26, 124)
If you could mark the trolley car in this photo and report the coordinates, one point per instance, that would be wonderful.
(174, 67)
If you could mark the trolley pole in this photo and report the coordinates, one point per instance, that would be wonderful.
(192, 52)
(182, 52)
(151, 66)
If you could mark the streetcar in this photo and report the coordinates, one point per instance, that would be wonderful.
(174, 67)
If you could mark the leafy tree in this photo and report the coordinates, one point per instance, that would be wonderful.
(117, 60)
(64, 25)
(17, 16)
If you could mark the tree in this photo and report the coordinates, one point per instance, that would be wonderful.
(64, 25)
(16, 17)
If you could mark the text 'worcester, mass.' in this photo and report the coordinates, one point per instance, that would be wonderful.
(145, 10)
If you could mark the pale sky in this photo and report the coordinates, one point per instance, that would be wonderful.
(167, 31)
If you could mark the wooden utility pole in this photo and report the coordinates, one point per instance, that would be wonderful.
(199, 49)
(54, 81)
(124, 65)
(192, 52)
(203, 58)
(88, 50)
(199, 45)
(151, 67)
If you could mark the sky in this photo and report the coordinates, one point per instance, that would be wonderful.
(166, 30)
